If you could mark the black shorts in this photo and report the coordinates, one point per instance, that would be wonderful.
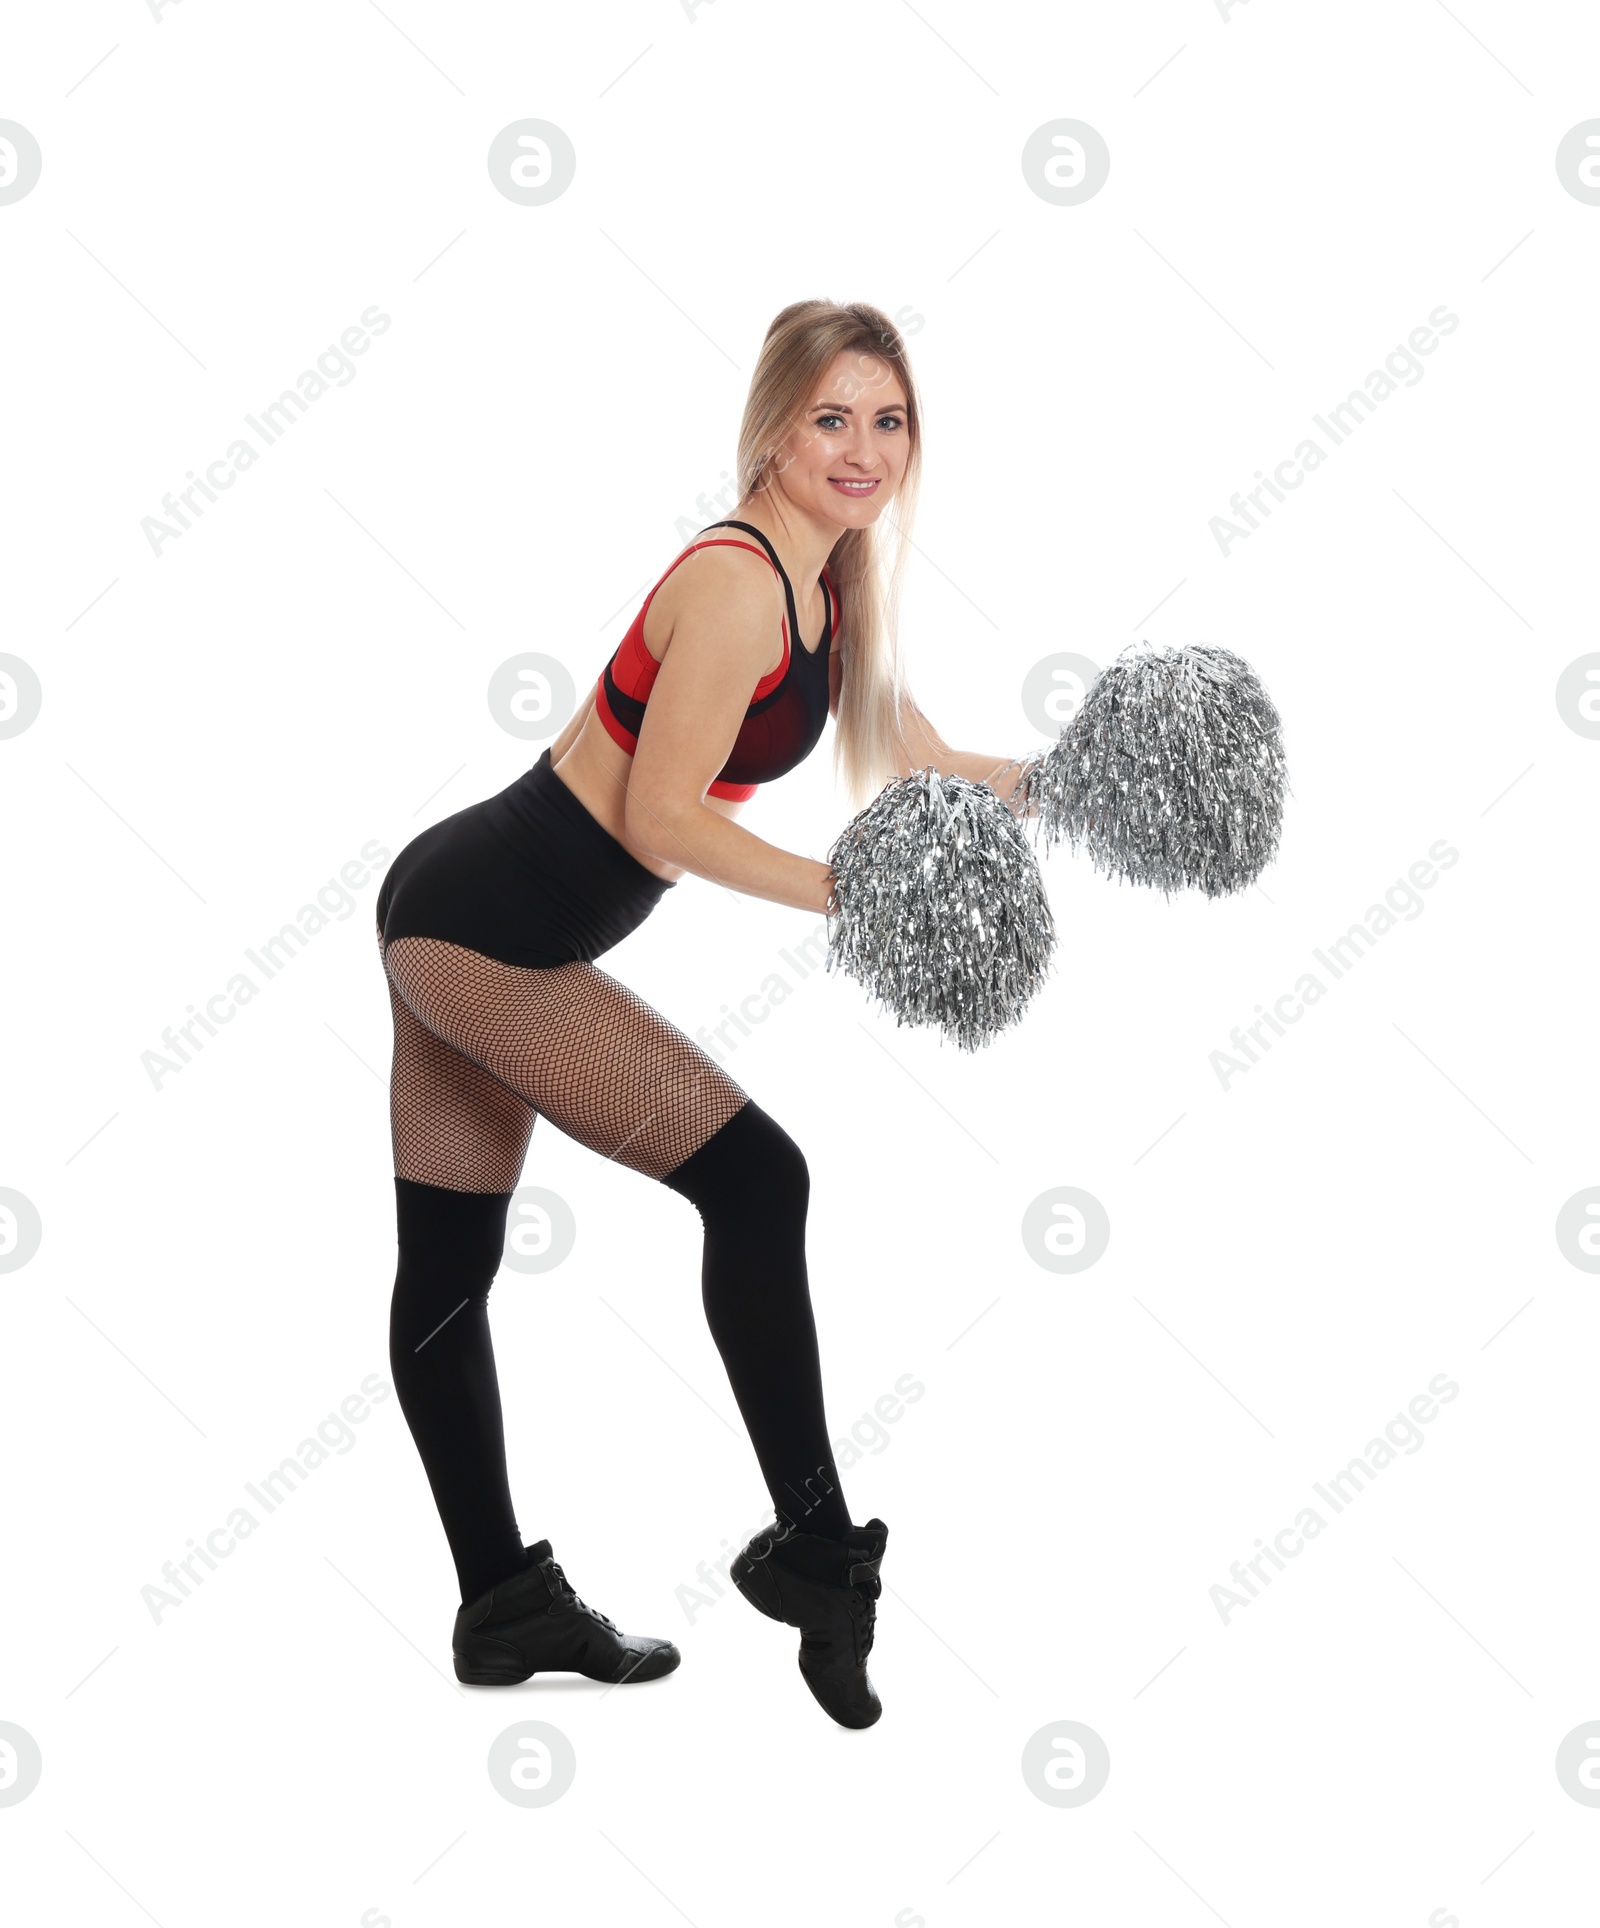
(528, 877)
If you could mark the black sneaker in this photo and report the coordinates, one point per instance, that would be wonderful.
(829, 1590)
(533, 1623)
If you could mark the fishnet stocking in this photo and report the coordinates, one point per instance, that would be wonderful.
(481, 1048)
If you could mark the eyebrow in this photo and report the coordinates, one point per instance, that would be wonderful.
(844, 408)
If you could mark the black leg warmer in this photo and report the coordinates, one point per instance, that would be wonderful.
(751, 1185)
(442, 1359)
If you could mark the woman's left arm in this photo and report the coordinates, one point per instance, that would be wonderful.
(922, 745)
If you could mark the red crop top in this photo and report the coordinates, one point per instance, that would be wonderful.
(787, 710)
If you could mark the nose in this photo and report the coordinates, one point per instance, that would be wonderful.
(859, 453)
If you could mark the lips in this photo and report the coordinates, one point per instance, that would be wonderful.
(846, 487)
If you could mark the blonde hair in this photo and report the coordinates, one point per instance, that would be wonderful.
(874, 699)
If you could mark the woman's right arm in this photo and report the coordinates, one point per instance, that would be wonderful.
(719, 649)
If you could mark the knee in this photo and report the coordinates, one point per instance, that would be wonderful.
(449, 1241)
(785, 1175)
(749, 1166)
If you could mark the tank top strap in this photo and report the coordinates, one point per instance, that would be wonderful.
(635, 634)
(793, 636)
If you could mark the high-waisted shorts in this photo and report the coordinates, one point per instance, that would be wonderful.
(528, 876)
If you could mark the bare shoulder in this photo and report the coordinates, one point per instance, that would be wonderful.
(728, 588)
(729, 564)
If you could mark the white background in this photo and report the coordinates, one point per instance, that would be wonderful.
(1292, 1258)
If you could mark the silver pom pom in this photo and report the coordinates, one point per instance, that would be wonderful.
(1172, 772)
(942, 913)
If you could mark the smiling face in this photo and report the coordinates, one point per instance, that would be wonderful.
(846, 456)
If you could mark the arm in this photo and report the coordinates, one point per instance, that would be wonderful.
(922, 745)
(718, 651)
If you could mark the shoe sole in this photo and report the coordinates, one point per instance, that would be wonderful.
(474, 1679)
(647, 1669)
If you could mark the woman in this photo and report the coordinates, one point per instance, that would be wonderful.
(490, 923)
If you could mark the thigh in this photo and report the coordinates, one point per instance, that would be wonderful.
(577, 1045)
(451, 1122)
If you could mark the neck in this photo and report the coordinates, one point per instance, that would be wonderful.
(803, 541)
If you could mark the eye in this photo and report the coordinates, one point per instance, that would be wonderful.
(894, 421)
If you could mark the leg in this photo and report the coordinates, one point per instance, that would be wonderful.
(751, 1186)
(605, 1068)
(451, 1124)
(574, 1045)
(459, 1143)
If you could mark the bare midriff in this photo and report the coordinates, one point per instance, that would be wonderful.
(596, 769)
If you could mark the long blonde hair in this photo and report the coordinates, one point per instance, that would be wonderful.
(874, 699)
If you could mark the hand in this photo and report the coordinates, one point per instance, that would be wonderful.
(1010, 791)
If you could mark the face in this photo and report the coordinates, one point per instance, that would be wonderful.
(846, 457)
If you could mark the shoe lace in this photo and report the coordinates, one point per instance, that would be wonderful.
(867, 1620)
(561, 1584)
